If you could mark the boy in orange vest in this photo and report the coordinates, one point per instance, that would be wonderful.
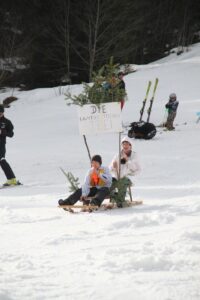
(97, 184)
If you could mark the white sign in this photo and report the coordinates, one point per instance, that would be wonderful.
(100, 118)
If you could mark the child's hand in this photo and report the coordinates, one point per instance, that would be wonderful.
(94, 171)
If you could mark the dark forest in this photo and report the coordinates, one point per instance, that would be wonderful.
(58, 42)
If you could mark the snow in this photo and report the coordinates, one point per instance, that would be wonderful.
(147, 252)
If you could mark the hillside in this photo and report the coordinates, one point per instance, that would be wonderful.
(150, 252)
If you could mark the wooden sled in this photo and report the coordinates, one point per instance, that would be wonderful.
(91, 208)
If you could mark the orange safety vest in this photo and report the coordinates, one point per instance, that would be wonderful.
(95, 180)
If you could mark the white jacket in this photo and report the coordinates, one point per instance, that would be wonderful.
(130, 168)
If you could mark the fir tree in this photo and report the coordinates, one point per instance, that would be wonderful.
(104, 88)
(118, 191)
(74, 182)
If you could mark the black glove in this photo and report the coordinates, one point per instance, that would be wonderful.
(123, 161)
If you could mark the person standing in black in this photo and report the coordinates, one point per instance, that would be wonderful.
(121, 86)
(6, 129)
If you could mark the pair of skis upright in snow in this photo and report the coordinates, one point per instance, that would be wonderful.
(151, 100)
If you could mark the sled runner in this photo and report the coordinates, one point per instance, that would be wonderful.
(90, 208)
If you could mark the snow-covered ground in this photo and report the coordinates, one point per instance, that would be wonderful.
(148, 252)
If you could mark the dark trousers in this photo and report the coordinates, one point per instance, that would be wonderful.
(4, 164)
(98, 194)
(170, 120)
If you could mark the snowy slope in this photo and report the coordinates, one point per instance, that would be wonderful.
(144, 253)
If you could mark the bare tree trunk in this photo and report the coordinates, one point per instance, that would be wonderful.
(8, 50)
(93, 40)
(67, 39)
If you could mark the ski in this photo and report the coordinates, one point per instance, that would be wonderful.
(144, 101)
(151, 101)
(10, 186)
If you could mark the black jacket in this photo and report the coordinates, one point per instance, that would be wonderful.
(6, 128)
(121, 85)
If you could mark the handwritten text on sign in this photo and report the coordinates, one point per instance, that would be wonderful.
(100, 118)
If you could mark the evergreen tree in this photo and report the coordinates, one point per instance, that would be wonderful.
(118, 191)
(74, 182)
(105, 87)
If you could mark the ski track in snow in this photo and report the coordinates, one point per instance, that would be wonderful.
(146, 252)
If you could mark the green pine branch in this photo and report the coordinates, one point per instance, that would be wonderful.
(74, 182)
(103, 89)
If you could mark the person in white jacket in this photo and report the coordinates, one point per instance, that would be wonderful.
(129, 165)
(121, 173)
